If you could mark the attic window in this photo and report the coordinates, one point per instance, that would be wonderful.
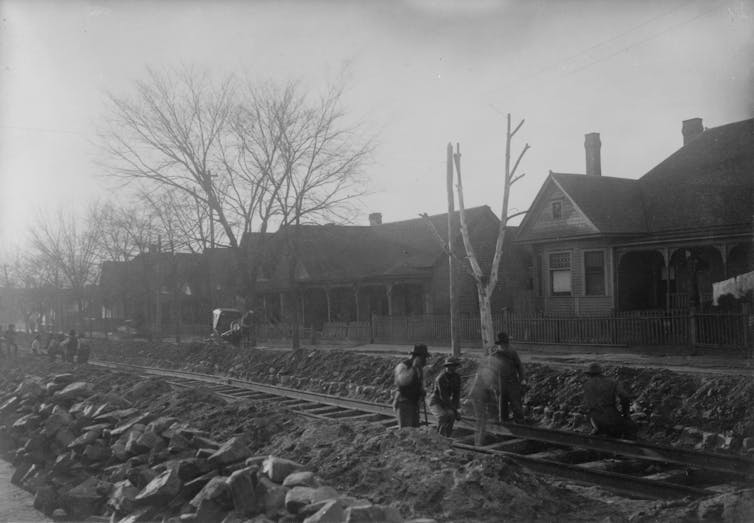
(557, 210)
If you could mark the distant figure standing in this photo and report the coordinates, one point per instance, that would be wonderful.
(409, 379)
(35, 345)
(82, 355)
(71, 345)
(512, 379)
(600, 395)
(10, 339)
(446, 396)
(53, 345)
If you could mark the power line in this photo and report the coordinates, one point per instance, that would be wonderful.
(645, 40)
(590, 48)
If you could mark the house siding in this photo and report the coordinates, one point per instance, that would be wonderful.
(578, 303)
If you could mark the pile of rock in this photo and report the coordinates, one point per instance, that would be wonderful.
(84, 454)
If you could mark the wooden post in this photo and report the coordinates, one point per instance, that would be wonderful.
(455, 335)
(692, 328)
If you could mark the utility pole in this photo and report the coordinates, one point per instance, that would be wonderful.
(210, 196)
(455, 334)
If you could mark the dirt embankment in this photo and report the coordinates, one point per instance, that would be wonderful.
(413, 471)
(701, 411)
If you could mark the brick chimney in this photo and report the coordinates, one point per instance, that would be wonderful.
(691, 128)
(375, 218)
(592, 145)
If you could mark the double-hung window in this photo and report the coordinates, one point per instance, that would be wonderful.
(560, 273)
(594, 273)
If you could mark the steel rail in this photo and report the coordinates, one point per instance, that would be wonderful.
(623, 483)
(620, 482)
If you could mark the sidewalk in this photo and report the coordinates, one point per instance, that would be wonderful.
(678, 359)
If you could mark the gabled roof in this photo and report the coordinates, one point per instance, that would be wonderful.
(613, 205)
(347, 252)
(709, 182)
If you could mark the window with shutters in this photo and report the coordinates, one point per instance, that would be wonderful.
(560, 274)
(594, 273)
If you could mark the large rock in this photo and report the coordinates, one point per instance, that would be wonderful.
(63, 379)
(85, 439)
(332, 511)
(116, 415)
(193, 487)
(371, 513)
(161, 489)
(97, 451)
(231, 451)
(64, 437)
(301, 479)
(243, 491)
(128, 425)
(26, 423)
(161, 424)
(149, 440)
(191, 468)
(217, 491)
(46, 499)
(132, 443)
(122, 496)
(74, 391)
(85, 499)
(178, 443)
(58, 418)
(277, 469)
(297, 498)
(273, 495)
(31, 386)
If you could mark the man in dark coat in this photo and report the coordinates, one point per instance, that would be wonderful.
(446, 396)
(512, 379)
(409, 379)
(600, 395)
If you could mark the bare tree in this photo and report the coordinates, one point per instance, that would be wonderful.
(321, 159)
(67, 247)
(124, 231)
(485, 285)
(259, 158)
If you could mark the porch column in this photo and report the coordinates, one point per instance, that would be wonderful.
(329, 306)
(723, 250)
(666, 261)
(389, 292)
(356, 299)
(427, 291)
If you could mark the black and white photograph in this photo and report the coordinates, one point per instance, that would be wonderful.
(400, 261)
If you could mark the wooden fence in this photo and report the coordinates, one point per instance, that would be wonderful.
(677, 327)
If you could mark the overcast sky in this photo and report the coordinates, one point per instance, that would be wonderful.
(420, 73)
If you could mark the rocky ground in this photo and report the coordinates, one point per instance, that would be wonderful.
(115, 445)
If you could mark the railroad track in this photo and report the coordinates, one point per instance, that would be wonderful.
(632, 468)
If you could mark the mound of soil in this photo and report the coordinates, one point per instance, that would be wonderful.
(666, 403)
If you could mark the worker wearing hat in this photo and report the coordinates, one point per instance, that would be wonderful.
(600, 397)
(446, 396)
(409, 380)
(512, 380)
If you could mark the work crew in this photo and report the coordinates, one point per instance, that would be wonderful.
(409, 380)
(512, 380)
(446, 397)
(71, 345)
(600, 395)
